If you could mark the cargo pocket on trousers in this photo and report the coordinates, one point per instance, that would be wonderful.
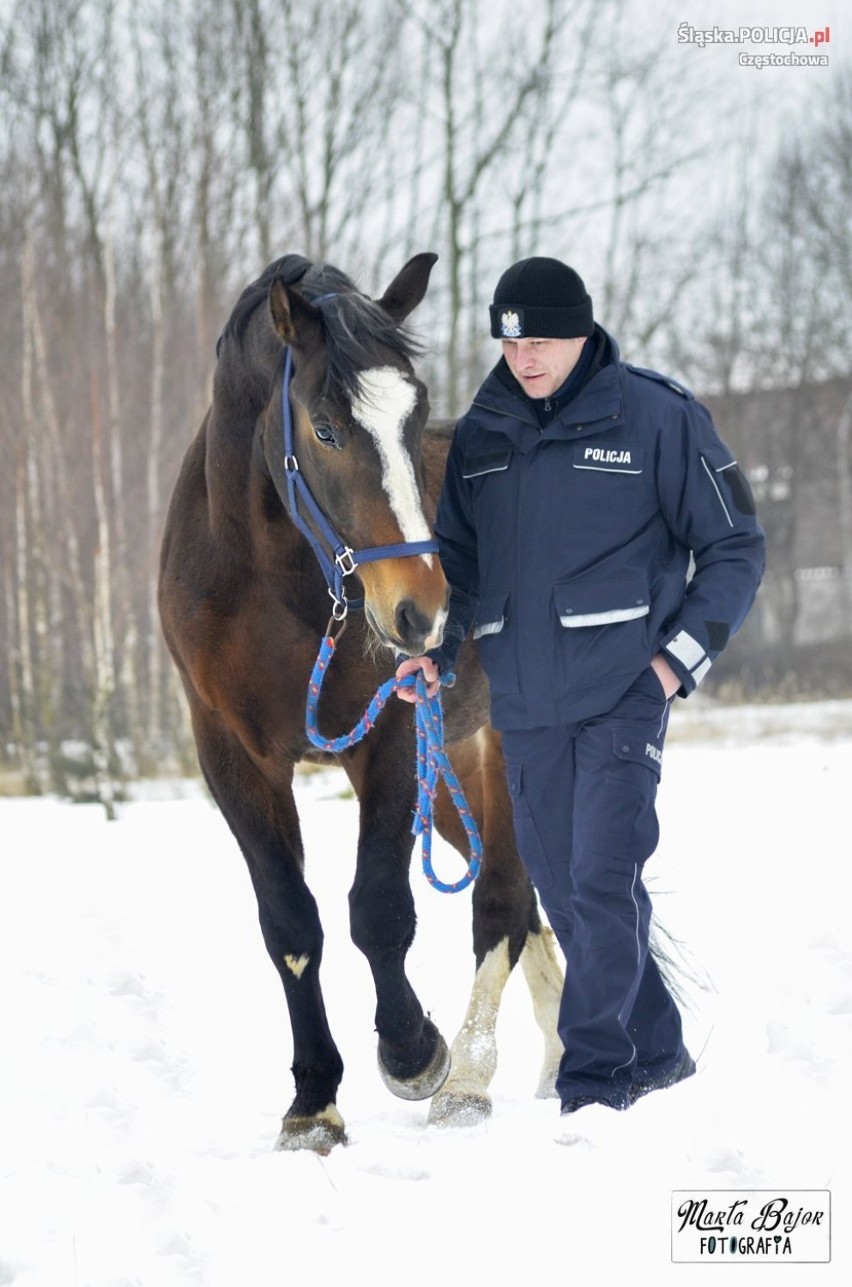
(530, 847)
(636, 747)
(631, 825)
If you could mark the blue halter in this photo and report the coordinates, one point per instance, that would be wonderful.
(336, 559)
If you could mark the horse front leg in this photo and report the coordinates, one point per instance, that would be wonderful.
(506, 929)
(413, 1058)
(260, 810)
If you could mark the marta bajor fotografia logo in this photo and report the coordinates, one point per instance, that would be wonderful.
(751, 1226)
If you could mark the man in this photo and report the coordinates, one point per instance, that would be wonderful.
(579, 494)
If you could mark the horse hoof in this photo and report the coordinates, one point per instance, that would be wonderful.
(318, 1134)
(459, 1108)
(424, 1084)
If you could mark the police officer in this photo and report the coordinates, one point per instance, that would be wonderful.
(601, 541)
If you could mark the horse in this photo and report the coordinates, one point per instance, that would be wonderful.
(246, 588)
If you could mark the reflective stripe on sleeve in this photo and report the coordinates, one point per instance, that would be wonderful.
(488, 628)
(687, 650)
(700, 671)
(709, 472)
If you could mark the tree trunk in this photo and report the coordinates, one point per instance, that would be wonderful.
(103, 694)
(154, 505)
(844, 490)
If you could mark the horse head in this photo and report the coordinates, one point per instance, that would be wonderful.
(357, 412)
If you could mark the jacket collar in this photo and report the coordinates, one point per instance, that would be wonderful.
(595, 406)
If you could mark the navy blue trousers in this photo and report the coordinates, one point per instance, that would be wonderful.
(585, 820)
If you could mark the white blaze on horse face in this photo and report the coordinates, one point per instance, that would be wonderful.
(384, 403)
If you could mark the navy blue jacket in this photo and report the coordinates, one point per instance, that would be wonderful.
(577, 550)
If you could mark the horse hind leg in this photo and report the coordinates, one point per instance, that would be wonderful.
(464, 1099)
(506, 929)
(544, 980)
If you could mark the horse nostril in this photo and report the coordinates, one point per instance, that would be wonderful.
(412, 626)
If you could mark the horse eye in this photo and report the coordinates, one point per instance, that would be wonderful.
(325, 433)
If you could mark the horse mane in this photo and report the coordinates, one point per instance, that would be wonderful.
(355, 326)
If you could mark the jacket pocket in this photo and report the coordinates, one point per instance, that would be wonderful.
(497, 643)
(601, 600)
(490, 616)
(487, 462)
(608, 486)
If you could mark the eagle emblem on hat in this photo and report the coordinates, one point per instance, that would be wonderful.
(510, 324)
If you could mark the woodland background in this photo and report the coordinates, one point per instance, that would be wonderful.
(155, 156)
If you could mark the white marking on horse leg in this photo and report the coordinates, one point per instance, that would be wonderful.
(318, 1133)
(474, 1051)
(384, 403)
(296, 964)
(544, 980)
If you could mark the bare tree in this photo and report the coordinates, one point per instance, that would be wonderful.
(487, 97)
(770, 309)
(813, 197)
(335, 89)
(104, 671)
(155, 157)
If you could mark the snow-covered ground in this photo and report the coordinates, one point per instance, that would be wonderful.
(146, 1050)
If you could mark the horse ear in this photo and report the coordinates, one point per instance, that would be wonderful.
(408, 287)
(292, 316)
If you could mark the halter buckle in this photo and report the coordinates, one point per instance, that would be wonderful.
(345, 561)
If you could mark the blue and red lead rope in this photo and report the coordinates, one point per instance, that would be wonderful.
(432, 760)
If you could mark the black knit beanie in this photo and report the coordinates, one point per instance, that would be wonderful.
(542, 298)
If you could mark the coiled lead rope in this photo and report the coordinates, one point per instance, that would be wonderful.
(432, 760)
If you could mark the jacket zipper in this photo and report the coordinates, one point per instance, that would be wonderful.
(511, 415)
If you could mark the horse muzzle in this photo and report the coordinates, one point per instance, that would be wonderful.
(415, 631)
(406, 615)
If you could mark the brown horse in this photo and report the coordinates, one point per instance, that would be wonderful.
(244, 604)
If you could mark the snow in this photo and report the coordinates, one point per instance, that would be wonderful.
(146, 1050)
